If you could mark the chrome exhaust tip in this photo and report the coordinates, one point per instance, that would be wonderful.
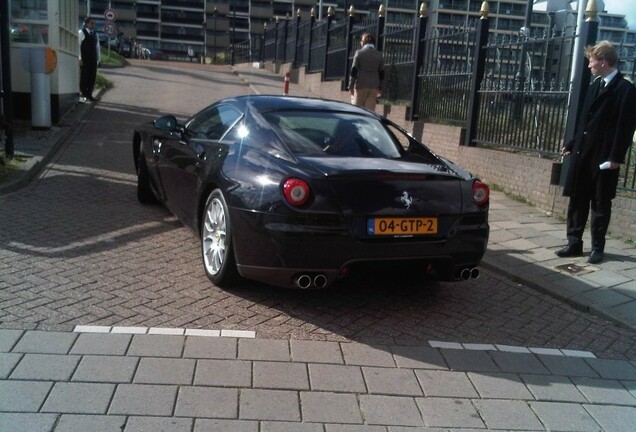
(303, 281)
(474, 273)
(465, 274)
(320, 281)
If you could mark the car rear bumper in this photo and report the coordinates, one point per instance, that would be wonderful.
(271, 250)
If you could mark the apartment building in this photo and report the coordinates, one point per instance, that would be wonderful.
(212, 26)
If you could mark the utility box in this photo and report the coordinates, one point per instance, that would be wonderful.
(40, 62)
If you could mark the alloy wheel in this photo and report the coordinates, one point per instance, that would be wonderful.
(214, 236)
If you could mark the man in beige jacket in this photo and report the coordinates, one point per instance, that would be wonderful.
(367, 73)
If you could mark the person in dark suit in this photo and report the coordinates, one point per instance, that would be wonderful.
(367, 73)
(89, 58)
(604, 132)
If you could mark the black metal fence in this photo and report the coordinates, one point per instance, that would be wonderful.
(336, 50)
(318, 49)
(520, 91)
(243, 51)
(302, 42)
(399, 62)
(269, 44)
(628, 62)
(627, 179)
(281, 41)
(446, 75)
(525, 92)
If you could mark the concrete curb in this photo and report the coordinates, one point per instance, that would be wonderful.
(620, 321)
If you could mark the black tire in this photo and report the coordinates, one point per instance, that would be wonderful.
(145, 195)
(216, 242)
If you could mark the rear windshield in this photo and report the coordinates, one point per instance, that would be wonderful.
(309, 133)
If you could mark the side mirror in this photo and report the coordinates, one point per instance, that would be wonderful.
(166, 123)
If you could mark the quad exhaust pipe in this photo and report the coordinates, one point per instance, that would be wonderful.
(305, 281)
(469, 273)
(320, 281)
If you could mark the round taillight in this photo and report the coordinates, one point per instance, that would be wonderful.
(481, 193)
(296, 191)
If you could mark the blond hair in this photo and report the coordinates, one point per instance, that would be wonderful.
(604, 51)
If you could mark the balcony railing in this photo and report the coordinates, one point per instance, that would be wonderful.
(184, 3)
(183, 37)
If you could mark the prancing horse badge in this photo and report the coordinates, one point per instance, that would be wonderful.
(406, 199)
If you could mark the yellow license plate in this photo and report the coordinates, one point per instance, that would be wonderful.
(401, 226)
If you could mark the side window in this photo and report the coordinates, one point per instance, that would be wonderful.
(213, 122)
(399, 136)
(414, 149)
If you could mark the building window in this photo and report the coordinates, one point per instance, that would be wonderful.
(29, 10)
(29, 21)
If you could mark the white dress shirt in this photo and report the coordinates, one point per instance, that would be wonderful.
(82, 36)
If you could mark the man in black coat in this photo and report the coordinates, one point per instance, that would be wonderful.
(89, 57)
(604, 132)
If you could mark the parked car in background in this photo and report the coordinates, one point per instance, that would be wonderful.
(300, 192)
(125, 48)
(154, 54)
(20, 33)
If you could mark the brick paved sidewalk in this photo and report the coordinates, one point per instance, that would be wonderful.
(521, 245)
(101, 382)
(56, 381)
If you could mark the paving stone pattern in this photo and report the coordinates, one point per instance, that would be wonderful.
(295, 393)
(77, 248)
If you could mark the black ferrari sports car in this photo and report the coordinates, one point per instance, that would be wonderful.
(300, 192)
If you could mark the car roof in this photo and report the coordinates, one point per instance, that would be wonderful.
(276, 103)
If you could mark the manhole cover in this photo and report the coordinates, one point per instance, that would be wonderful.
(574, 269)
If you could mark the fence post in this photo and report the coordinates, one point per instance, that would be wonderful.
(478, 74)
(330, 13)
(262, 54)
(5, 82)
(345, 82)
(312, 21)
(419, 61)
(297, 34)
(276, 39)
(379, 43)
(285, 34)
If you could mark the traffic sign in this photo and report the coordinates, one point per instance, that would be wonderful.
(110, 29)
(110, 15)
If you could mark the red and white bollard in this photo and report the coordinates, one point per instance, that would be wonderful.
(286, 87)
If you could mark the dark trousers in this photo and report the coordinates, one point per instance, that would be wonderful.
(88, 73)
(578, 210)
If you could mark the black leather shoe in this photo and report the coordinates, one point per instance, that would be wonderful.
(571, 250)
(596, 257)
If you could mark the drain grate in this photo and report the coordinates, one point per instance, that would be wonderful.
(574, 269)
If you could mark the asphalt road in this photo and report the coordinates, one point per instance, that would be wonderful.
(77, 248)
